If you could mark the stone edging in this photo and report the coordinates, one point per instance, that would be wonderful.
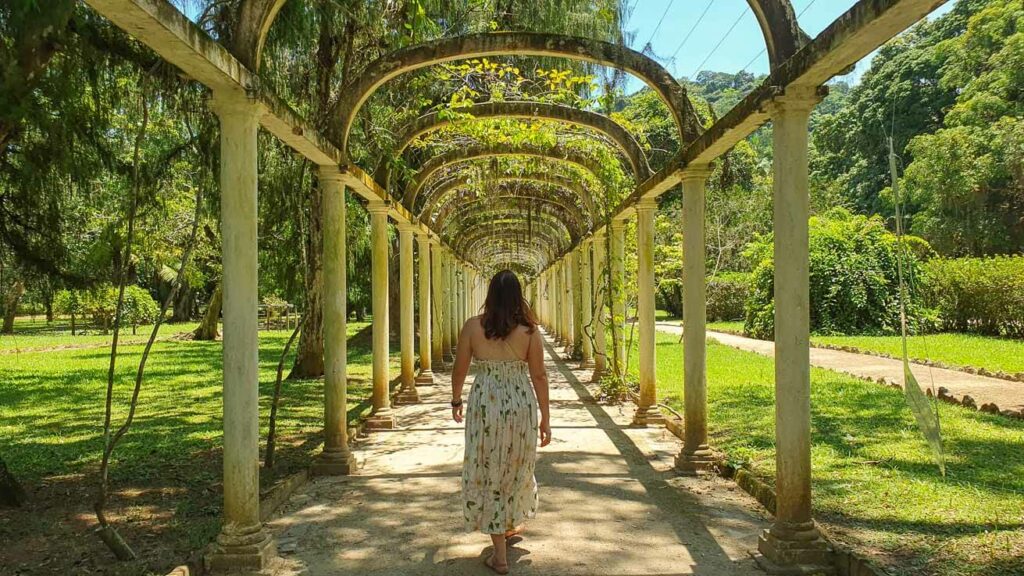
(846, 561)
(965, 401)
(1012, 377)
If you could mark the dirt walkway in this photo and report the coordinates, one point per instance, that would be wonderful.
(1005, 394)
(610, 504)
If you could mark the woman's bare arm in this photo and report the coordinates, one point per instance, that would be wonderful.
(539, 377)
(463, 357)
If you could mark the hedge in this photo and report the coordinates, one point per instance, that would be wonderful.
(726, 296)
(983, 295)
(854, 284)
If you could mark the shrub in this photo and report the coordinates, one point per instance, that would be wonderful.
(726, 296)
(984, 295)
(139, 306)
(854, 285)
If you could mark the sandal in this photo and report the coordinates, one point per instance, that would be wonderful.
(499, 568)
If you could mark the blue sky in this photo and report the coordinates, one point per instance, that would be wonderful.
(741, 49)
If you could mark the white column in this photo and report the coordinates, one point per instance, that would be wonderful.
(382, 417)
(426, 374)
(242, 542)
(568, 336)
(446, 305)
(407, 338)
(600, 289)
(577, 303)
(436, 307)
(695, 455)
(618, 296)
(647, 411)
(453, 304)
(793, 538)
(336, 457)
(586, 306)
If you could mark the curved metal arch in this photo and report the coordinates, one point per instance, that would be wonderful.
(487, 256)
(531, 110)
(558, 152)
(556, 238)
(389, 66)
(532, 203)
(553, 193)
(543, 211)
(440, 196)
(548, 170)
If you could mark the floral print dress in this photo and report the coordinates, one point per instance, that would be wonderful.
(499, 490)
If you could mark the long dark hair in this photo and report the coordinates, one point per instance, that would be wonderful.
(505, 308)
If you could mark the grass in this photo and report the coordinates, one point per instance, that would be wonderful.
(960, 350)
(875, 486)
(167, 470)
(35, 334)
(952, 349)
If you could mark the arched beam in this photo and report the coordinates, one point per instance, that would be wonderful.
(355, 94)
(782, 34)
(557, 239)
(529, 110)
(531, 257)
(437, 194)
(522, 202)
(250, 32)
(543, 210)
(555, 192)
(460, 155)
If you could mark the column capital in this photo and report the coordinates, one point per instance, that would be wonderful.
(617, 224)
(377, 207)
(236, 104)
(695, 172)
(585, 244)
(796, 98)
(647, 205)
(601, 233)
(331, 173)
(407, 227)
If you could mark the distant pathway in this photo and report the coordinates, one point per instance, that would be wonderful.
(1005, 394)
(610, 504)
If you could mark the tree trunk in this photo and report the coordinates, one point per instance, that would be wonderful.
(309, 359)
(11, 306)
(11, 492)
(208, 328)
(183, 304)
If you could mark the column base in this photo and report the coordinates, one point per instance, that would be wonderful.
(425, 377)
(334, 463)
(796, 549)
(382, 419)
(648, 416)
(587, 364)
(447, 359)
(696, 462)
(599, 373)
(408, 395)
(249, 548)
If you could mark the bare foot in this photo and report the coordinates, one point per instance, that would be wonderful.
(518, 530)
(500, 568)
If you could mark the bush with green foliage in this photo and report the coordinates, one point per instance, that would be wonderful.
(139, 306)
(984, 295)
(854, 286)
(727, 295)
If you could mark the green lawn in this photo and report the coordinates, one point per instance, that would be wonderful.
(38, 334)
(167, 470)
(875, 485)
(961, 350)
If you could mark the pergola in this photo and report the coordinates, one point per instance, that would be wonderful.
(569, 258)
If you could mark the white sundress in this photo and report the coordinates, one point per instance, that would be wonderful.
(499, 490)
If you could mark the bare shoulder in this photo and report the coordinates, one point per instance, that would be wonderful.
(473, 325)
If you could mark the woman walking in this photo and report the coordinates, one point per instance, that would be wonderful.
(499, 491)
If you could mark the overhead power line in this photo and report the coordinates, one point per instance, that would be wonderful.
(719, 45)
(658, 27)
(765, 49)
(694, 27)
